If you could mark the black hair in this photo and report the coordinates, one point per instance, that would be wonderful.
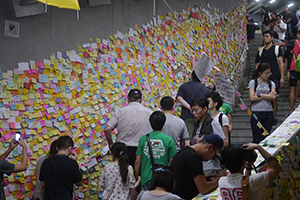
(157, 120)
(167, 103)
(261, 68)
(298, 31)
(119, 151)
(269, 32)
(163, 177)
(273, 21)
(233, 158)
(194, 77)
(53, 149)
(201, 102)
(215, 96)
(278, 16)
(64, 142)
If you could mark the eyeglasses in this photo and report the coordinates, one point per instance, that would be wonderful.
(268, 73)
(194, 110)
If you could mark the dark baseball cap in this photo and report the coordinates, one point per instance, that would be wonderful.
(135, 94)
(215, 140)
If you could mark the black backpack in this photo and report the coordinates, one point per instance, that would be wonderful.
(294, 20)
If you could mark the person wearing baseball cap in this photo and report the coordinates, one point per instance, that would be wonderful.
(132, 122)
(187, 166)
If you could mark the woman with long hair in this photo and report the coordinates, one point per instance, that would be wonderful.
(117, 177)
(261, 93)
(162, 184)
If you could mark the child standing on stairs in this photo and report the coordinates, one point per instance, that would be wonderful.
(261, 93)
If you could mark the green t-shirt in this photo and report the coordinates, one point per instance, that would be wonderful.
(225, 109)
(163, 147)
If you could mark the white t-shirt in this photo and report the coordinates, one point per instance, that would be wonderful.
(225, 120)
(231, 186)
(281, 34)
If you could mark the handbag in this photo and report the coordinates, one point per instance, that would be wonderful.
(154, 165)
(297, 60)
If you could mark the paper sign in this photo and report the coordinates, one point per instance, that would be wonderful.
(203, 66)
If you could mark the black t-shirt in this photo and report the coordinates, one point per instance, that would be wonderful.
(59, 181)
(266, 18)
(286, 15)
(250, 28)
(189, 91)
(186, 164)
(268, 56)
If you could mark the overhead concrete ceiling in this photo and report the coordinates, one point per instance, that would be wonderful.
(277, 6)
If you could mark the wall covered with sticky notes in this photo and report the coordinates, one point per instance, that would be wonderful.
(75, 92)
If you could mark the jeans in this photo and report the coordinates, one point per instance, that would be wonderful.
(266, 119)
(289, 32)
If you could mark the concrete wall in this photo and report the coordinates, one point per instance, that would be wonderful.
(58, 29)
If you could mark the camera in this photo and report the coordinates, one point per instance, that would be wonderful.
(250, 155)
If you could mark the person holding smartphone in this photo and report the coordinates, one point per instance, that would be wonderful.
(7, 167)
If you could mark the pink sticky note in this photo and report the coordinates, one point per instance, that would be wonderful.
(109, 59)
(243, 106)
(43, 123)
(237, 92)
(90, 49)
(68, 121)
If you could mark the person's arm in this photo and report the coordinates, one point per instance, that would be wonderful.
(12, 145)
(204, 186)
(170, 160)
(24, 161)
(274, 166)
(271, 96)
(137, 165)
(281, 29)
(42, 184)
(107, 131)
(253, 97)
(230, 121)
(281, 66)
(78, 183)
(225, 130)
(262, 19)
(183, 103)
(182, 143)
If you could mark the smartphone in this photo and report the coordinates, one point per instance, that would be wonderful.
(18, 136)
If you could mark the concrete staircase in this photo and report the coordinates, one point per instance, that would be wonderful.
(242, 132)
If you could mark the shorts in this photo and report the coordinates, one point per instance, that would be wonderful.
(277, 84)
(294, 77)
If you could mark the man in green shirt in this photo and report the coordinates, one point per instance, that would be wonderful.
(163, 149)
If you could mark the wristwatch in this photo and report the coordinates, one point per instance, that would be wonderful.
(258, 95)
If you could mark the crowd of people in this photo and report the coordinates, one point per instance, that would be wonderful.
(179, 158)
(275, 60)
(157, 155)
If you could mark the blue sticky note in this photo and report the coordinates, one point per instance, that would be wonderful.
(60, 118)
(13, 107)
(43, 78)
(55, 80)
(30, 109)
(103, 162)
(84, 146)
